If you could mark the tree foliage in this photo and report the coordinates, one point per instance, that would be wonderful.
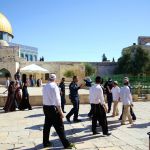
(104, 58)
(69, 73)
(134, 60)
(89, 69)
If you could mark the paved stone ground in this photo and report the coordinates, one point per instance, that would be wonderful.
(23, 130)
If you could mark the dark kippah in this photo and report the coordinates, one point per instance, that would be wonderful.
(98, 79)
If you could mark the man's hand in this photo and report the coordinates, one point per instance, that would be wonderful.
(105, 108)
(62, 115)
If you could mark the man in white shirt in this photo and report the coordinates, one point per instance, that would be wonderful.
(126, 99)
(99, 108)
(53, 113)
(116, 97)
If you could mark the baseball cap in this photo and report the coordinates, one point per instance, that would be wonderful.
(88, 79)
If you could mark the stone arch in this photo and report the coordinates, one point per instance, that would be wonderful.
(4, 73)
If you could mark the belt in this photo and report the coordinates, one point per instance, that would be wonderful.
(49, 106)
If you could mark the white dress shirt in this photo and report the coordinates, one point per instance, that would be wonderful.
(96, 94)
(115, 93)
(125, 95)
(51, 94)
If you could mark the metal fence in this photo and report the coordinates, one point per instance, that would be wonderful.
(139, 84)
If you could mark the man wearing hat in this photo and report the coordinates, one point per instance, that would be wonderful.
(99, 108)
(53, 113)
(116, 97)
(126, 98)
(126, 80)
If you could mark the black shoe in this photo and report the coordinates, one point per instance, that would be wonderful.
(64, 111)
(70, 146)
(77, 120)
(94, 133)
(108, 111)
(48, 144)
(107, 134)
(90, 115)
(68, 119)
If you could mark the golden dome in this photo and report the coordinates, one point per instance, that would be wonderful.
(5, 26)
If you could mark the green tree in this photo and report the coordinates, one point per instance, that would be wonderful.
(104, 58)
(69, 73)
(89, 69)
(134, 60)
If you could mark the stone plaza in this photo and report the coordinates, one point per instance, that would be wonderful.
(23, 130)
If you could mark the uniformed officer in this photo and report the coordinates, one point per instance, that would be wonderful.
(74, 97)
(62, 93)
(53, 113)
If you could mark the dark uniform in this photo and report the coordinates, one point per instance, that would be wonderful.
(74, 97)
(63, 100)
(109, 84)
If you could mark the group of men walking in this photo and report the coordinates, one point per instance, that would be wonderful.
(54, 101)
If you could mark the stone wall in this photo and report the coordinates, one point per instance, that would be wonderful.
(9, 60)
(59, 68)
(105, 68)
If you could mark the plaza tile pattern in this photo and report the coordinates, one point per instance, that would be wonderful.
(22, 130)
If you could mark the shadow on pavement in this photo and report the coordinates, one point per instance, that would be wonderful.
(144, 125)
(36, 115)
(36, 127)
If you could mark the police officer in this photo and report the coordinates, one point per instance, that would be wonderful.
(62, 93)
(53, 113)
(74, 97)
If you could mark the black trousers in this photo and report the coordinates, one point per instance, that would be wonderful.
(63, 102)
(131, 112)
(109, 101)
(52, 118)
(99, 114)
(91, 110)
(75, 109)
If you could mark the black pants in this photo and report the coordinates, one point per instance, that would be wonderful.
(52, 118)
(63, 102)
(131, 112)
(91, 110)
(75, 109)
(109, 101)
(99, 114)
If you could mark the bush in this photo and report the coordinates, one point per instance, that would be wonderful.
(89, 69)
(69, 73)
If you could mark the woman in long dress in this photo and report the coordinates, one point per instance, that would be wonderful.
(17, 93)
(24, 104)
(10, 104)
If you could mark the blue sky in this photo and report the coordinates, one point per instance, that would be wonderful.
(77, 30)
